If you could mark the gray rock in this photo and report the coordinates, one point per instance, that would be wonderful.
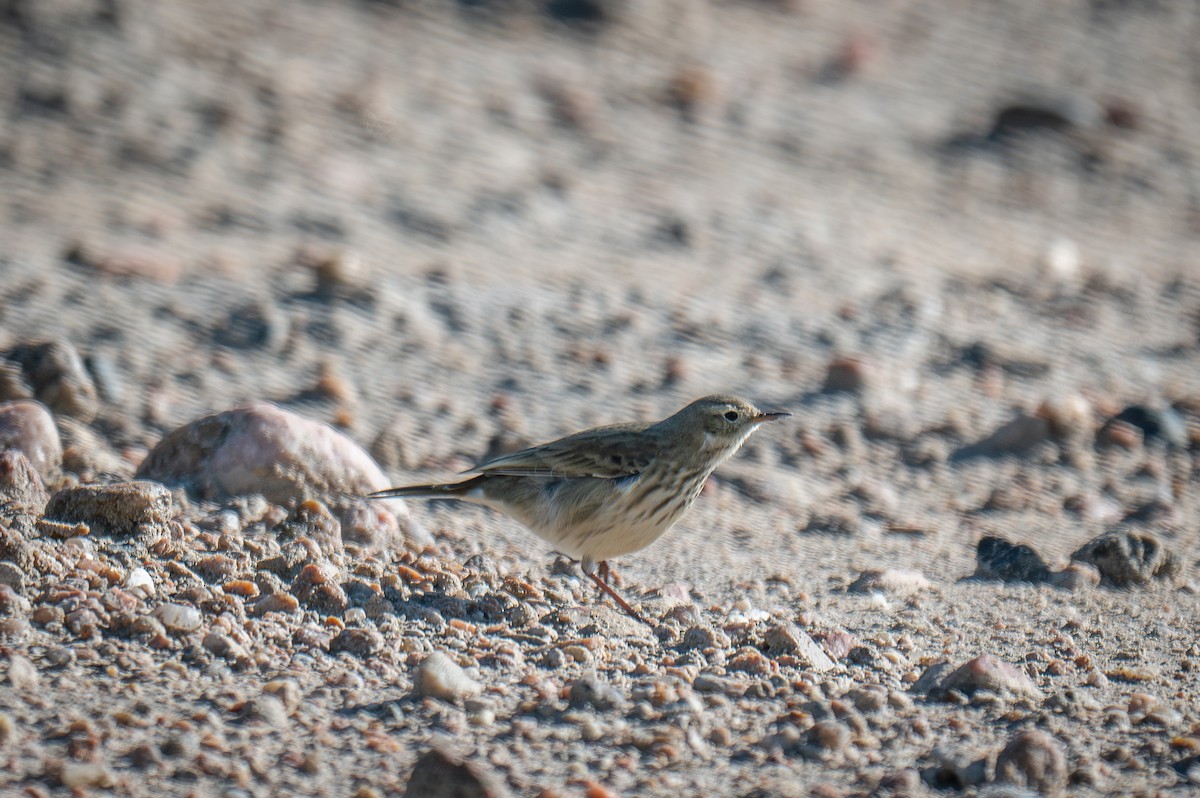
(1034, 759)
(55, 372)
(996, 558)
(1126, 558)
(589, 691)
(121, 509)
(20, 485)
(439, 774)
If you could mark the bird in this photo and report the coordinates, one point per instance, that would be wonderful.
(608, 491)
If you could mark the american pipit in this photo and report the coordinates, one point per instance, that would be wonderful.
(607, 491)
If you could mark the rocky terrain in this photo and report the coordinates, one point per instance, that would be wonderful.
(261, 259)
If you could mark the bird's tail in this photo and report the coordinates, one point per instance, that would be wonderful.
(452, 490)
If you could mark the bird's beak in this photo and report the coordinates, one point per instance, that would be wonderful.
(761, 417)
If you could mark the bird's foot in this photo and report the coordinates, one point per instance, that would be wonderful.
(601, 580)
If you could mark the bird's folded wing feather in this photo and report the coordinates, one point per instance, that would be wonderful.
(605, 453)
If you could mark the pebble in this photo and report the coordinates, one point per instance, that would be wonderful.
(1019, 436)
(589, 691)
(262, 449)
(20, 484)
(986, 672)
(86, 774)
(898, 581)
(704, 638)
(845, 374)
(838, 643)
(1161, 423)
(224, 646)
(829, 736)
(1076, 576)
(1126, 558)
(22, 674)
(359, 641)
(29, 428)
(440, 774)
(269, 709)
(55, 372)
(996, 558)
(1032, 758)
(12, 576)
(8, 729)
(438, 676)
(122, 509)
(179, 618)
(275, 601)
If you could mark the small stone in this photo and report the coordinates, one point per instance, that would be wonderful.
(1129, 559)
(252, 325)
(782, 639)
(361, 642)
(751, 661)
(12, 602)
(179, 618)
(22, 674)
(990, 673)
(829, 736)
(847, 374)
(139, 582)
(1161, 423)
(1122, 434)
(12, 576)
(128, 260)
(275, 601)
(224, 646)
(438, 676)
(704, 638)
(269, 709)
(1017, 437)
(898, 581)
(869, 699)
(20, 484)
(589, 691)
(838, 643)
(121, 509)
(1045, 112)
(86, 774)
(439, 774)
(8, 729)
(1076, 576)
(996, 558)
(59, 380)
(29, 428)
(1034, 759)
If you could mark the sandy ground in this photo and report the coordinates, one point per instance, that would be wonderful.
(445, 228)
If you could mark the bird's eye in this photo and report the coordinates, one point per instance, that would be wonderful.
(731, 415)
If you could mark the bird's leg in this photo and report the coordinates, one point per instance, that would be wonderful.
(588, 566)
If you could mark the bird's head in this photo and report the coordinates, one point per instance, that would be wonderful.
(723, 422)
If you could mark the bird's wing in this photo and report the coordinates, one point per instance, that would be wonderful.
(605, 453)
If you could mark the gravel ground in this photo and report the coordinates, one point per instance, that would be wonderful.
(262, 258)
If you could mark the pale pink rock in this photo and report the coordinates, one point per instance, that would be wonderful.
(986, 672)
(900, 581)
(282, 456)
(29, 428)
